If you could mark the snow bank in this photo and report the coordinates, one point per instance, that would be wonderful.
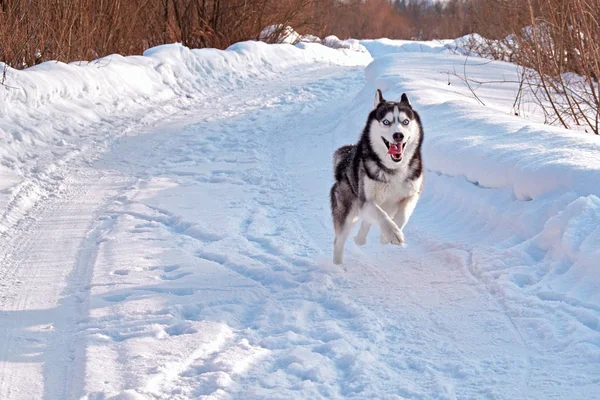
(469, 45)
(477, 46)
(488, 145)
(162, 72)
(279, 34)
(54, 111)
(381, 47)
(351, 44)
(310, 39)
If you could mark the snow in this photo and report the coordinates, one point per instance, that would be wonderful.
(382, 47)
(473, 45)
(286, 34)
(166, 232)
(44, 109)
(350, 44)
(280, 34)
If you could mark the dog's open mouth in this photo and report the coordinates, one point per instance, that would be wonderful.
(395, 150)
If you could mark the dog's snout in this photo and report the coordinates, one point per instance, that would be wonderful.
(398, 136)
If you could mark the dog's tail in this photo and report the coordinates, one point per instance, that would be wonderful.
(343, 154)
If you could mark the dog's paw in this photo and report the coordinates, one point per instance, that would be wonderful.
(392, 235)
(338, 258)
(383, 239)
(360, 240)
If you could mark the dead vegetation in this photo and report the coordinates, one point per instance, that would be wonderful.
(555, 41)
(71, 30)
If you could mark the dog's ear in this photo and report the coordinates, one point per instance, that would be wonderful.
(404, 99)
(378, 98)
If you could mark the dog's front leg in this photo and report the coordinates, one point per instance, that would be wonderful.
(373, 214)
(406, 207)
(390, 209)
(361, 237)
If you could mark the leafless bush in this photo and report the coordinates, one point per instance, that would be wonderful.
(559, 51)
(68, 30)
(558, 44)
(435, 20)
(562, 46)
(362, 19)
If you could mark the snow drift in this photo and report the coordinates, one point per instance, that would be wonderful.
(286, 34)
(490, 146)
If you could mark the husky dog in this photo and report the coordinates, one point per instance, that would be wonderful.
(380, 178)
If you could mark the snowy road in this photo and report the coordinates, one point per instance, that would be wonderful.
(192, 260)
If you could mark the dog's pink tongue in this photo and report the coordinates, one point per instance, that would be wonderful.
(395, 148)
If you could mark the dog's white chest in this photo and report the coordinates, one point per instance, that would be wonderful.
(395, 190)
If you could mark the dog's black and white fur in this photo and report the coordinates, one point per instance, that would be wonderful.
(371, 183)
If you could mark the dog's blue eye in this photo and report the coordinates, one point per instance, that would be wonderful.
(405, 122)
(386, 122)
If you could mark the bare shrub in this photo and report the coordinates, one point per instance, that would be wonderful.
(563, 48)
(365, 19)
(558, 44)
(559, 51)
(69, 30)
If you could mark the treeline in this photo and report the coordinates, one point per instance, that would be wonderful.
(32, 31)
(550, 37)
(556, 41)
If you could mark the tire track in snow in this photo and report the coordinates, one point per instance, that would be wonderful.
(49, 268)
(75, 303)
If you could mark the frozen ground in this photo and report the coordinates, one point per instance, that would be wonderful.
(166, 235)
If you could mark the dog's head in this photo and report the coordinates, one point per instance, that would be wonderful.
(394, 130)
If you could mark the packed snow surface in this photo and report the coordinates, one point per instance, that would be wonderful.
(165, 233)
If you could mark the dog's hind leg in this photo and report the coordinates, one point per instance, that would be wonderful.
(341, 235)
(345, 214)
(361, 237)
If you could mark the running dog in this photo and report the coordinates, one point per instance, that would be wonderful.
(380, 178)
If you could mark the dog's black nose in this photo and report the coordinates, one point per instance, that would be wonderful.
(398, 137)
